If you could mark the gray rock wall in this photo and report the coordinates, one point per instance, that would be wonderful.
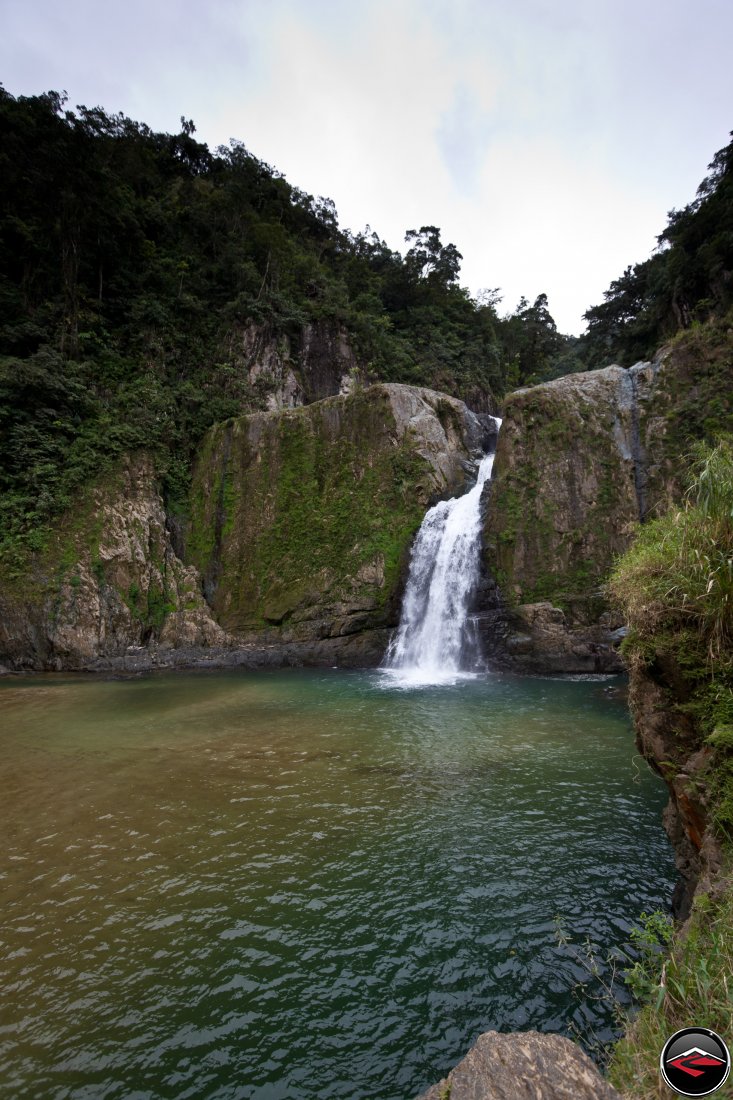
(581, 461)
(321, 363)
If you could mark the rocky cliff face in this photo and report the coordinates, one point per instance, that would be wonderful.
(668, 737)
(300, 527)
(321, 363)
(580, 461)
(564, 498)
(301, 521)
(108, 585)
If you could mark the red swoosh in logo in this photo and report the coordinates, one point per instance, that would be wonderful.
(695, 1062)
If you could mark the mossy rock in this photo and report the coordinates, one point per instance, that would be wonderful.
(582, 460)
(305, 516)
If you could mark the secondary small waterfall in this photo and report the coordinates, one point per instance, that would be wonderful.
(434, 641)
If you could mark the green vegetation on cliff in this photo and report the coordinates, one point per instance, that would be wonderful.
(562, 499)
(133, 266)
(301, 520)
(692, 989)
(675, 586)
(582, 459)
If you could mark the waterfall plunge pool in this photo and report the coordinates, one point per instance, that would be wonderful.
(304, 883)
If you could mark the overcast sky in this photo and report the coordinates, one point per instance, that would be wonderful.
(547, 138)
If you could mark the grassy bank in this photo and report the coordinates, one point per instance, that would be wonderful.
(675, 586)
(693, 987)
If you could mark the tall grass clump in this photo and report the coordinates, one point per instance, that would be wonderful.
(678, 574)
(694, 987)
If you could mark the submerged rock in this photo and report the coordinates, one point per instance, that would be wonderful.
(523, 1066)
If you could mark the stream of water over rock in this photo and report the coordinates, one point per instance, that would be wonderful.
(434, 642)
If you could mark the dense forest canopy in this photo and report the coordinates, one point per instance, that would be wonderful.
(131, 262)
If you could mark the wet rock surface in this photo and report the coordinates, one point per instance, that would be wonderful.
(541, 639)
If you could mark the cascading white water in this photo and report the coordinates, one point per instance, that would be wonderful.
(432, 643)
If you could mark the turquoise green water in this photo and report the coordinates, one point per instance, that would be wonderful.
(306, 884)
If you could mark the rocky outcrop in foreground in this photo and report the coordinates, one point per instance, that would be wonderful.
(523, 1066)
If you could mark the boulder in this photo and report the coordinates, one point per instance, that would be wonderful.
(523, 1066)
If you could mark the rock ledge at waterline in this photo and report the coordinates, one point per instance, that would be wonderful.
(294, 548)
(523, 1066)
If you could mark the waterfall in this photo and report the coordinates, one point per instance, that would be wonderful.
(434, 642)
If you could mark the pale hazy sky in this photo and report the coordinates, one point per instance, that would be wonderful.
(548, 140)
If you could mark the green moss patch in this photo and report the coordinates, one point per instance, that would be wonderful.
(305, 512)
(562, 499)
